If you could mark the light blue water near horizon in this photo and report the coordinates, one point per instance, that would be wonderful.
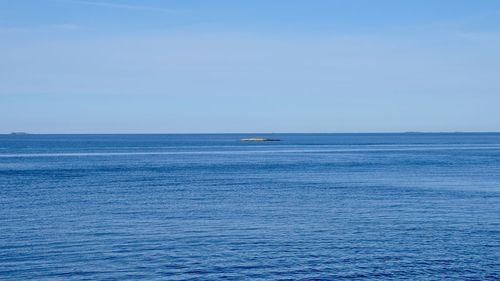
(209, 207)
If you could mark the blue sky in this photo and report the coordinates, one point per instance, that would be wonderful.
(104, 66)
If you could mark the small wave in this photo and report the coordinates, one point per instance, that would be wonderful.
(246, 152)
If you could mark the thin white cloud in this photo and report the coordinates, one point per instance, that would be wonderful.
(118, 6)
(480, 36)
(41, 28)
(64, 26)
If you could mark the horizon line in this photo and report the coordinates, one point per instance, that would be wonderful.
(20, 133)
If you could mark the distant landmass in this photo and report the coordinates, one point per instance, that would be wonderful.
(258, 139)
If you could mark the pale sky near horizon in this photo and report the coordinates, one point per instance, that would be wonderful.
(187, 66)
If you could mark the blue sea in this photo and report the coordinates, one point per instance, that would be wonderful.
(210, 207)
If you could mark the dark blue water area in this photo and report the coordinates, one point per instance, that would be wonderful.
(210, 207)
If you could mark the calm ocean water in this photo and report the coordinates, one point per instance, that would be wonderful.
(209, 207)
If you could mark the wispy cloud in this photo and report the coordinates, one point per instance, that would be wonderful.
(113, 5)
(475, 22)
(483, 36)
(41, 28)
(64, 26)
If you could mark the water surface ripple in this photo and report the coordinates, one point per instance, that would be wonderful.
(208, 207)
